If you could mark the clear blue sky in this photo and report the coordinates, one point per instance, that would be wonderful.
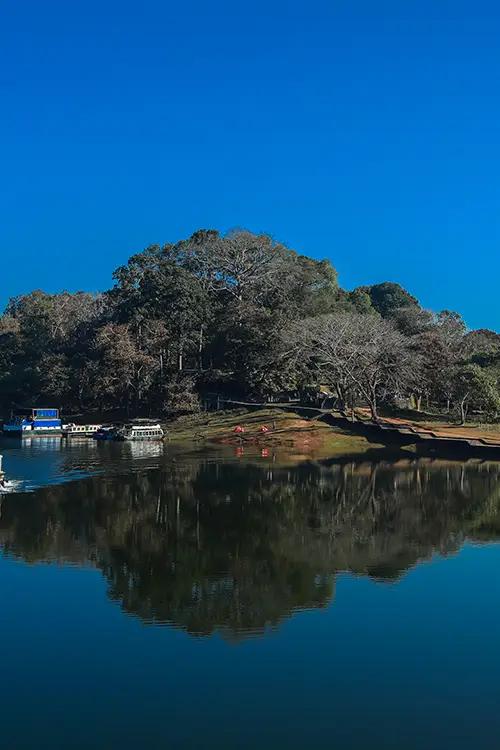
(366, 132)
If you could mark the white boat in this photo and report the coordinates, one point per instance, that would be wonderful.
(140, 432)
(80, 430)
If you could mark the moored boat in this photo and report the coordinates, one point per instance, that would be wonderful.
(33, 422)
(80, 430)
(140, 432)
(106, 432)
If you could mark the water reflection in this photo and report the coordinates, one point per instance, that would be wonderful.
(231, 547)
(36, 462)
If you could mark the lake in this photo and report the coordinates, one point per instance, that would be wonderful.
(157, 598)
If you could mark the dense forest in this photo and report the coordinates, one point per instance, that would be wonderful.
(243, 316)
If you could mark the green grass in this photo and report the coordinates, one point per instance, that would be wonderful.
(288, 432)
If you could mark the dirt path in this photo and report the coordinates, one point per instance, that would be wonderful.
(444, 429)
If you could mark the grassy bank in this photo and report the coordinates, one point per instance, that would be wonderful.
(286, 431)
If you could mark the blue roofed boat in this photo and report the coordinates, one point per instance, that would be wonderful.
(33, 422)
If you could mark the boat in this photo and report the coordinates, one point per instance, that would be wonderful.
(80, 430)
(106, 432)
(3, 481)
(33, 422)
(140, 432)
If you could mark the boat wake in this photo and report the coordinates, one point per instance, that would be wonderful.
(13, 485)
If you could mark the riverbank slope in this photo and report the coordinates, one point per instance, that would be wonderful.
(268, 428)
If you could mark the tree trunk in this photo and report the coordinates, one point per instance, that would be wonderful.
(463, 412)
(200, 350)
(342, 397)
(372, 400)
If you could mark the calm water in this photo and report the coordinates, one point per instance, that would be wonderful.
(155, 599)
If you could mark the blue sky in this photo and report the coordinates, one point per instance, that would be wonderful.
(365, 132)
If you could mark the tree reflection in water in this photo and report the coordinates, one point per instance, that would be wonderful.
(235, 548)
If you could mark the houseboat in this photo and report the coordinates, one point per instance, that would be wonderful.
(140, 432)
(33, 422)
(80, 430)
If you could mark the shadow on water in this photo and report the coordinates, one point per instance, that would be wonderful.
(236, 547)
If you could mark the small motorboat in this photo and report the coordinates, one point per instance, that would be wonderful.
(106, 432)
(5, 485)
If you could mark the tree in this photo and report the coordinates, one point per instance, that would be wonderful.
(360, 355)
(474, 388)
(156, 286)
(43, 341)
(482, 343)
(237, 312)
(306, 287)
(388, 297)
(180, 396)
(125, 372)
(248, 265)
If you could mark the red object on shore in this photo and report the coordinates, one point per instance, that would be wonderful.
(264, 428)
(239, 428)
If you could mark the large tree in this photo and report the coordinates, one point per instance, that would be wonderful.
(388, 297)
(359, 355)
(474, 388)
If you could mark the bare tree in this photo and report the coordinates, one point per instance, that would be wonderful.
(126, 370)
(248, 264)
(358, 354)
